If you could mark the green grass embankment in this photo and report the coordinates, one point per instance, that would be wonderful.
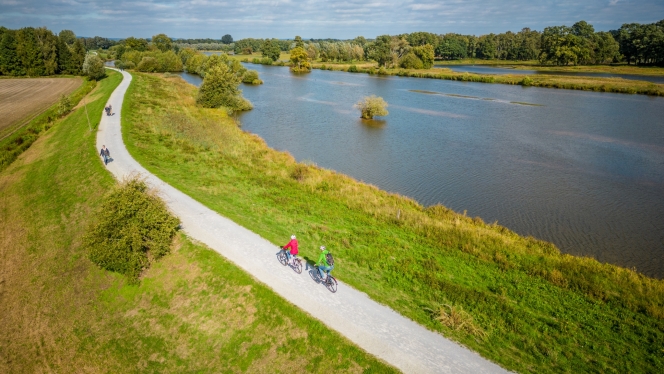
(15, 141)
(192, 311)
(515, 300)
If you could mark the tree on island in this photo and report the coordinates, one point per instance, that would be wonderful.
(227, 39)
(372, 106)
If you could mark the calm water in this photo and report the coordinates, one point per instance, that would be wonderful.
(483, 69)
(584, 170)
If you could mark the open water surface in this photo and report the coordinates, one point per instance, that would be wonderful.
(584, 170)
(484, 69)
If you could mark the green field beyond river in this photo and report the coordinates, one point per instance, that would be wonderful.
(580, 169)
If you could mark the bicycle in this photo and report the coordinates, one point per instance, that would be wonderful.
(296, 265)
(330, 282)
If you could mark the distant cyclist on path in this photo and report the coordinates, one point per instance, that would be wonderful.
(323, 264)
(292, 245)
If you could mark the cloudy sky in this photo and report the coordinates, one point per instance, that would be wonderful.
(317, 18)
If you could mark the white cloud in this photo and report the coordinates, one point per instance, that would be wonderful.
(316, 18)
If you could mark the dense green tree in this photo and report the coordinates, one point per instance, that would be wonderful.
(420, 38)
(300, 60)
(486, 47)
(452, 47)
(77, 57)
(29, 52)
(185, 54)
(360, 40)
(220, 88)
(411, 61)
(271, 49)
(379, 50)
(606, 48)
(642, 44)
(68, 37)
(64, 56)
(93, 67)
(227, 39)
(298, 42)
(426, 54)
(10, 64)
(162, 42)
(244, 45)
(136, 44)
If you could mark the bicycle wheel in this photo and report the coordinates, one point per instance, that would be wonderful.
(282, 258)
(313, 273)
(331, 284)
(297, 265)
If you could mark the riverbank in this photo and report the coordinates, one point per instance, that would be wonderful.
(598, 84)
(515, 300)
(192, 310)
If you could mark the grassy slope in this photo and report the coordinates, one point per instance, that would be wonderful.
(192, 312)
(515, 300)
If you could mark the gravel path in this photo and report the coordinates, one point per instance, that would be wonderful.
(374, 327)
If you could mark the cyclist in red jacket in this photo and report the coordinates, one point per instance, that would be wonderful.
(292, 245)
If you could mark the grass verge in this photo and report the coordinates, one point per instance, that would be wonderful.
(515, 300)
(192, 311)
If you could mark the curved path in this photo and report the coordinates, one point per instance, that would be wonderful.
(374, 327)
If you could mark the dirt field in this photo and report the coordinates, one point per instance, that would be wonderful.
(21, 99)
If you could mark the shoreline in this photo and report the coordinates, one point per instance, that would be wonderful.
(583, 83)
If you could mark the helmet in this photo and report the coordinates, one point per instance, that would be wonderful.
(292, 236)
(322, 247)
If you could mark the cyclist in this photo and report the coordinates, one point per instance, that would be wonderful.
(292, 245)
(322, 264)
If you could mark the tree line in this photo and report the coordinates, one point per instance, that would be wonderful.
(38, 51)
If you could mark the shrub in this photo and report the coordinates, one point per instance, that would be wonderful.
(372, 106)
(134, 227)
(251, 77)
(352, 69)
(129, 65)
(64, 105)
(266, 61)
(411, 61)
(382, 71)
(526, 81)
(93, 67)
(148, 65)
(220, 88)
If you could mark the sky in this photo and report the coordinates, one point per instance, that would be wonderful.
(341, 19)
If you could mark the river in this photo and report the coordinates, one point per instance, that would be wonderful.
(584, 170)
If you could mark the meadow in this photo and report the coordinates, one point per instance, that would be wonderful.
(192, 311)
(516, 300)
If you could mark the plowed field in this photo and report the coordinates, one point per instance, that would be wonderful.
(21, 99)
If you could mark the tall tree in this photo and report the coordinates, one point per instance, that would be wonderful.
(29, 52)
(298, 42)
(227, 39)
(162, 42)
(68, 37)
(10, 64)
(271, 49)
